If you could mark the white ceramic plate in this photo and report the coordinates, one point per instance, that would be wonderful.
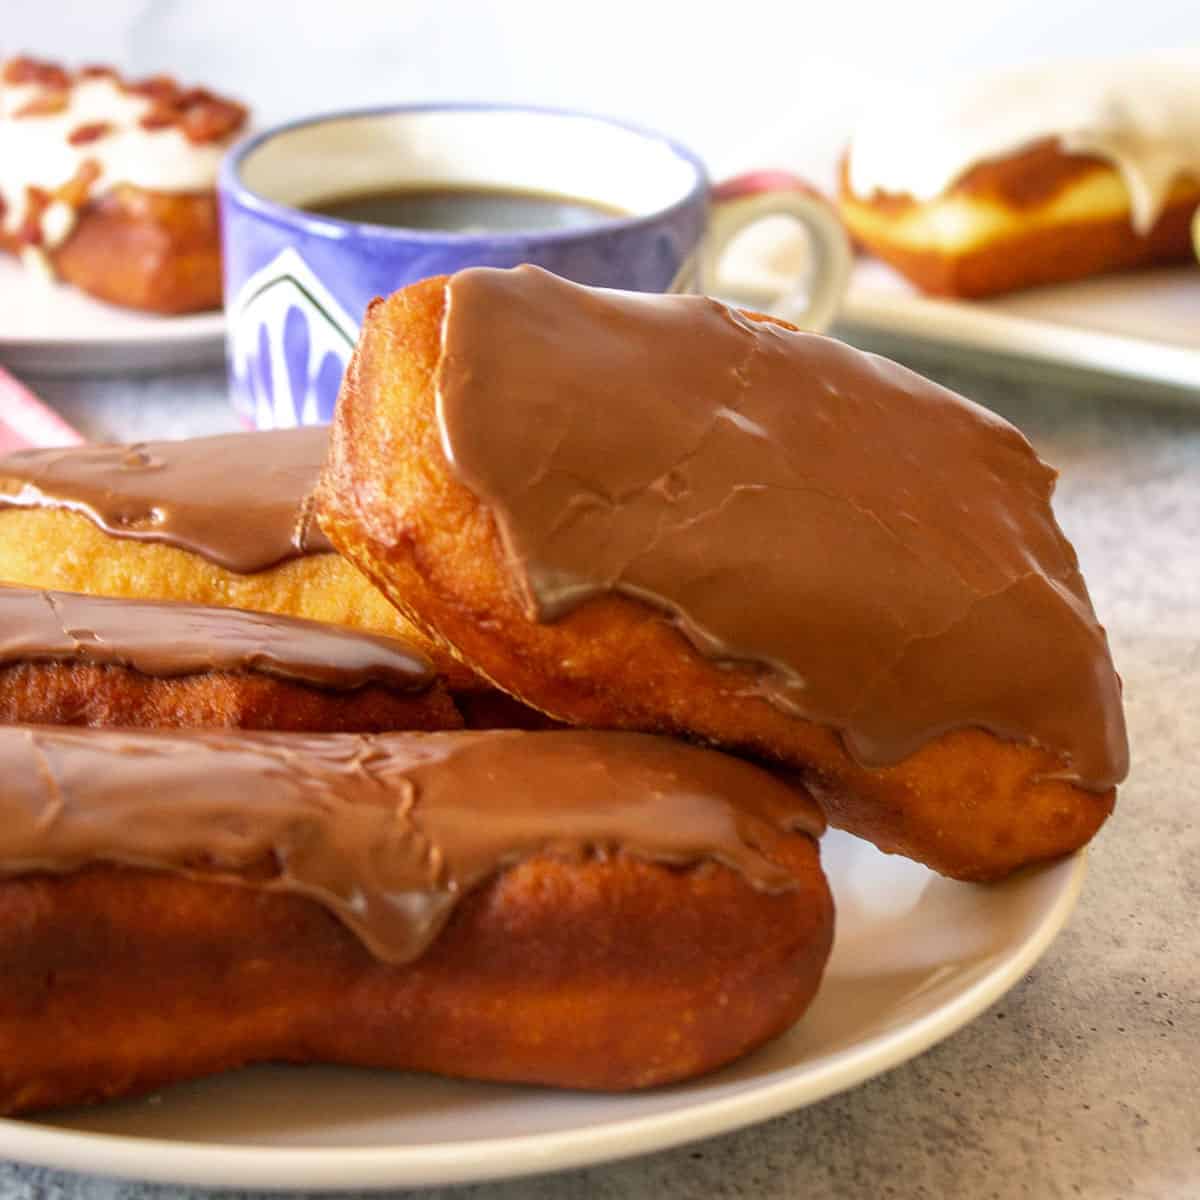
(51, 329)
(916, 957)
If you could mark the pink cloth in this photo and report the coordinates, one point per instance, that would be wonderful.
(26, 421)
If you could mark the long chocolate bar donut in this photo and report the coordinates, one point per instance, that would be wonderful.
(68, 659)
(588, 910)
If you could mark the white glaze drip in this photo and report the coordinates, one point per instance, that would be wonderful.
(1142, 115)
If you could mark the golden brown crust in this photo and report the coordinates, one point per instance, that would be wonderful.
(968, 804)
(490, 708)
(114, 696)
(600, 974)
(65, 551)
(1027, 178)
(1021, 242)
(154, 251)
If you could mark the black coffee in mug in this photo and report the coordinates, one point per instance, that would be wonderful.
(465, 209)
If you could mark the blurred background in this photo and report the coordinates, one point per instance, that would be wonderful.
(727, 79)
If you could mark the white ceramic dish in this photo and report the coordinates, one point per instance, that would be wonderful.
(916, 957)
(50, 329)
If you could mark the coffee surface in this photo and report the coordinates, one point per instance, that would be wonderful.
(465, 209)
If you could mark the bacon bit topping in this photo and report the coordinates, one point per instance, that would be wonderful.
(24, 69)
(89, 133)
(208, 118)
(199, 114)
(159, 117)
(162, 88)
(47, 104)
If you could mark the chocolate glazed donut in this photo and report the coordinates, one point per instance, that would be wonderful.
(657, 513)
(588, 910)
(67, 659)
(219, 520)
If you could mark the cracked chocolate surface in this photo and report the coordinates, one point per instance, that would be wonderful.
(390, 831)
(879, 551)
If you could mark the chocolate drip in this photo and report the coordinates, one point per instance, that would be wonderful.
(168, 639)
(239, 500)
(880, 549)
(388, 832)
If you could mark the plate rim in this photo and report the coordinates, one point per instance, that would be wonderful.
(985, 326)
(227, 1165)
(111, 340)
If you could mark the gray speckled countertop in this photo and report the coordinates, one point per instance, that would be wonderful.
(1085, 1079)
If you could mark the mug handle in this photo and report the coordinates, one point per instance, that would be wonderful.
(745, 199)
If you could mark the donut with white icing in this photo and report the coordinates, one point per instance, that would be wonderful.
(1028, 177)
(109, 184)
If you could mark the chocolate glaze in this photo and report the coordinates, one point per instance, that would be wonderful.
(880, 549)
(240, 500)
(388, 832)
(167, 639)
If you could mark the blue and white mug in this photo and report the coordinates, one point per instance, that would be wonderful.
(297, 283)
